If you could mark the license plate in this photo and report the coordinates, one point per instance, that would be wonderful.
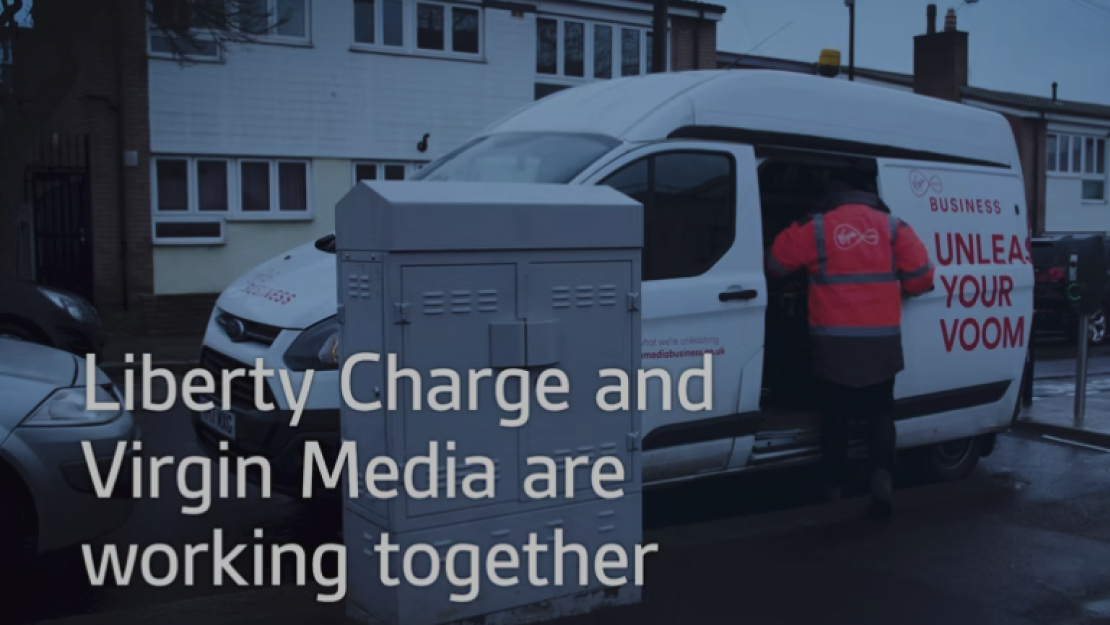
(221, 421)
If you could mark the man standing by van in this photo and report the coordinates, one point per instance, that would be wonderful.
(860, 259)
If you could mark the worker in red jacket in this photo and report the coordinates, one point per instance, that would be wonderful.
(859, 259)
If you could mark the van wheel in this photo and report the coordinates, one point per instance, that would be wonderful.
(952, 460)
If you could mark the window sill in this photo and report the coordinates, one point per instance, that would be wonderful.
(162, 56)
(1094, 202)
(278, 41)
(229, 217)
(271, 217)
(420, 54)
(1071, 175)
(188, 243)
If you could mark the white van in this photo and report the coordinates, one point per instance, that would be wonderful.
(722, 161)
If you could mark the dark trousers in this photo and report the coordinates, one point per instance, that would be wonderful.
(872, 406)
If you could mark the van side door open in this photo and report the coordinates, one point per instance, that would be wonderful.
(704, 291)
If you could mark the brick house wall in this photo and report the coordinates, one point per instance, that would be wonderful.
(1029, 134)
(693, 44)
(83, 72)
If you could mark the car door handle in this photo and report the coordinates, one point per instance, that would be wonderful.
(742, 294)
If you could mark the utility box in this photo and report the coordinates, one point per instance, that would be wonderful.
(494, 284)
(1085, 282)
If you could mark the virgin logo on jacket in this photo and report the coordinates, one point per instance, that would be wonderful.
(847, 237)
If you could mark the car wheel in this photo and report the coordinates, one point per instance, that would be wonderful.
(16, 537)
(948, 461)
(1096, 327)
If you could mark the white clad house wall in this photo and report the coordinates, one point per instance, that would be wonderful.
(1077, 188)
(330, 103)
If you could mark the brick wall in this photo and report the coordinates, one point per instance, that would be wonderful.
(693, 44)
(85, 73)
(176, 314)
(1029, 134)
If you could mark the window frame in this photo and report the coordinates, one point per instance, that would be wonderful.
(217, 240)
(410, 31)
(273, 37)
(203, 34)
(234, 212)
(153, 32)
(636, 158)
(1077, 169)
(616, 29)
(411, 167)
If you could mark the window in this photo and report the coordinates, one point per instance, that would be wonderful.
(384, 170)
(435, 27)
(274, 19)
(575, 49)
(689, 203)
(190, 189)
(630, 51)
(262, 20)
(1082, 157)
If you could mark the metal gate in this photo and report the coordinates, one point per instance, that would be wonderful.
(56, 184)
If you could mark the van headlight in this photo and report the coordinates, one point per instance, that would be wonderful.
(316, 348)
(69, 407)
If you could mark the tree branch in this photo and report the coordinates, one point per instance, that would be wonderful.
(9, 25)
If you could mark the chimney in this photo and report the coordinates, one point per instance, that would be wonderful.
(940, 58)
(1053, 92)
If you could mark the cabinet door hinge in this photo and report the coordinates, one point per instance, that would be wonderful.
(402, 313)
(633, 302)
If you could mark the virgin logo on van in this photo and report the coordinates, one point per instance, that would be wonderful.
(846, 237)
(921, 184)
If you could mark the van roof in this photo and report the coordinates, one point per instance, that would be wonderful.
(653, 107)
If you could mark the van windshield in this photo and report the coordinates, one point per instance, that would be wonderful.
(540, 157)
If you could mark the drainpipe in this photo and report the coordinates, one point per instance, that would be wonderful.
(1039, 170)
(697, 39)
(121, 159)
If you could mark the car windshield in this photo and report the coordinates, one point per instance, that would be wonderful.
(548, 157)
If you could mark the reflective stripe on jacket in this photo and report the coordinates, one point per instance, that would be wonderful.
(859, 261)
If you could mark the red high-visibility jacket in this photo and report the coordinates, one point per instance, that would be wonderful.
(859, 260)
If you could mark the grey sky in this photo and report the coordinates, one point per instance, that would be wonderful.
(1015, 45)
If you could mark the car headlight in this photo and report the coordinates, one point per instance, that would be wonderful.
(69, 407)
(78, 309)
(316, 348)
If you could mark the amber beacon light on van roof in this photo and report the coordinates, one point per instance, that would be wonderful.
(828, 64)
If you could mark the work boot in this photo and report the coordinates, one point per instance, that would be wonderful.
(882, 487)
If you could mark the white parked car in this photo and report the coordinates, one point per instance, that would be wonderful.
(47, 500)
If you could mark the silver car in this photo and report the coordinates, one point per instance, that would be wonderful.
(47, 495)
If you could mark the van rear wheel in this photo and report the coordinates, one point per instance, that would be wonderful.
(951, 460)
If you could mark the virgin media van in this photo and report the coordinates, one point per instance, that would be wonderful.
(722, 161)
